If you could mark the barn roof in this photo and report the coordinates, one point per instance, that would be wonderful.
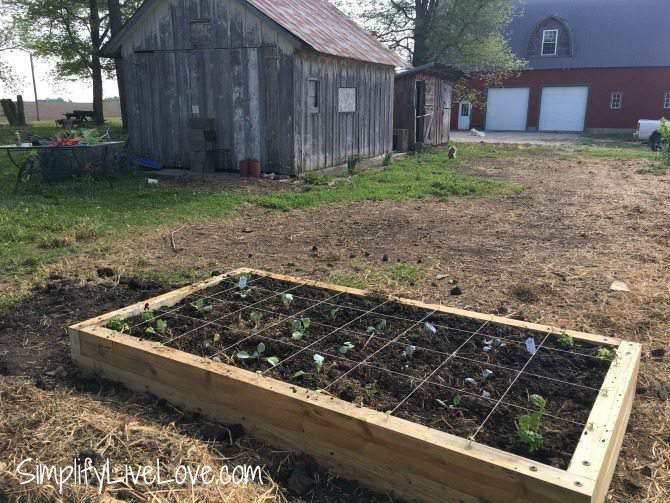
(442, 71)
(317, 23)
(606, 33)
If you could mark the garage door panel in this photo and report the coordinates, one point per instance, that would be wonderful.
(507, 109)
(563, 108)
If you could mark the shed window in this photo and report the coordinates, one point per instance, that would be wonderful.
(666, 101)
(313, 95)
(616, 100)
(549, 42)
(346, 99)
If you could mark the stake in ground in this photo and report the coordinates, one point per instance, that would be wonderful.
(496, 397)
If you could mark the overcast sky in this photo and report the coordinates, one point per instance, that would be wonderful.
(48, 87)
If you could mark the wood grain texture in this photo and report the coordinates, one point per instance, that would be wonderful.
(386, 453)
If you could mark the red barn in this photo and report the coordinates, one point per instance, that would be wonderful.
(593, 65)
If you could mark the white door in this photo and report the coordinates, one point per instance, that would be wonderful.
(464, 111)
(507, 109)
(563, 108)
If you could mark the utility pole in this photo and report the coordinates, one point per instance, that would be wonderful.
(32, 70)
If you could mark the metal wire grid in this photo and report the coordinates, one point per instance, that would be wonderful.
(365, 363)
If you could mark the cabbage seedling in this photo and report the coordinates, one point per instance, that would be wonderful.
(286, 299)
(606, 354)
(161, 327)
(257, 354)
(334, 312)
(299, 328)
(529, 426)
(318, 362)
(298, 374)
(118, 324)
(566, 341)
(200, 307)
(378, 327)
(148, 316)
(429, 328)
(255, 318)
(346, 347)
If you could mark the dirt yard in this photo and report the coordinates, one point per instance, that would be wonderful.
(548, 254)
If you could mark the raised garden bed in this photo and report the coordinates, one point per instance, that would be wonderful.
(429, 402)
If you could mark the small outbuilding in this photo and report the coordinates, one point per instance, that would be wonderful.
(294, 84)
(422, 109)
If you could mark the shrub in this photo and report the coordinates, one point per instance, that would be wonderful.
(664, 129)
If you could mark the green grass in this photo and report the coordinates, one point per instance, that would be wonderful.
(67, 218)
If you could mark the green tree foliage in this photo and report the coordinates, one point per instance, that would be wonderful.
(70, 33)
(9, 79)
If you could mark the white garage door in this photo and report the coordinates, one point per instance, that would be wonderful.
(563, 108)
(507, 109)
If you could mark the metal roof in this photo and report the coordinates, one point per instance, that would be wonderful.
(443, 71)
(326, 29)
(606, 33)
(317, 23)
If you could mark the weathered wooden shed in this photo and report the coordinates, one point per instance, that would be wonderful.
(292, 83)
(422, 105)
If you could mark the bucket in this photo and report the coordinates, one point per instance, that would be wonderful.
(254, 168)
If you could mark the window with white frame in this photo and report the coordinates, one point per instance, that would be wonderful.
(549, 42)
(666, 100)
(616, 100)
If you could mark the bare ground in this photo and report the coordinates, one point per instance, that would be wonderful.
(548, 254)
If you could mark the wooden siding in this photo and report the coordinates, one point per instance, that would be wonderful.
(437, 115)
(328, 137)
(243, 81)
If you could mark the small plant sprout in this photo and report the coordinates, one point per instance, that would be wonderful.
(487, 374)
(216, 337)
(606, 354)
(160, 327)
(255, 318)
(429, 328)
(456, 401)
(566, 341)
(148, 316)
(470, 381)
(118, 324)
(299, 328)
(529, 426)
(298, 374)
(243, 282)
(257, 354)
(378, 327)
(334, 312)
(531, 347)
(345, 348)
(318, 362)
(273, 360)
(286, 299)
(408, 352)
(200, 307)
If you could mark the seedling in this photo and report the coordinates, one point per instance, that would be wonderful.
(286, 299)
(255, 318)
(409, 351)
(298, 374)
(118, 324)
(606, 354)
(216, 337)
(299, 328)
(148, 316)
(566, 341)
(200, 307)
(334, 312)
(160, 327)
(378, 327)
(258, 354)
(529, 426)
(346, 347)
(318, 362)
(429, 328)
(243, 289)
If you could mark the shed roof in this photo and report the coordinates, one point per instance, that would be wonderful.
(443, 71)
(317, 23)
(606, 33)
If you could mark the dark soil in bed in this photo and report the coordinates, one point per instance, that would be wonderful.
(458, 375)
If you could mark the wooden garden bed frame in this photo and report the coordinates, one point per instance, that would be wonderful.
(386, 453)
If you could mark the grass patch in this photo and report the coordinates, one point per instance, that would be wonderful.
(73, 217)
(394, 276)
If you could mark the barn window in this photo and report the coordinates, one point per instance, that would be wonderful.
(616, 100)
(666, 101)
(313, 95)
(346, 99)
(549, 42)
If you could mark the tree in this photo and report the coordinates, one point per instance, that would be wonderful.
(8, 77)
(71, 32)
(466, 34)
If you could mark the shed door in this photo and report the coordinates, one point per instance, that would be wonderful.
(446, 111)
(563, 108)
(507, 109)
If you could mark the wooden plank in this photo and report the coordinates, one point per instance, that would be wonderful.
(387, 453)
(597, 452)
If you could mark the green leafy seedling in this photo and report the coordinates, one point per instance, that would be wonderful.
(118, 324)
(273, 360)
(299, 328)
(378, 327)
(566, 341)
(148, 316)
(216, 337)
(529, 426)
(255, 355)
(200, 306)
(318, 362)
(298, 374)
(606, 354)
(255, 318)
(286, 299)
(334, 312)
(159, 327)
(346, 347)
(456, 401)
